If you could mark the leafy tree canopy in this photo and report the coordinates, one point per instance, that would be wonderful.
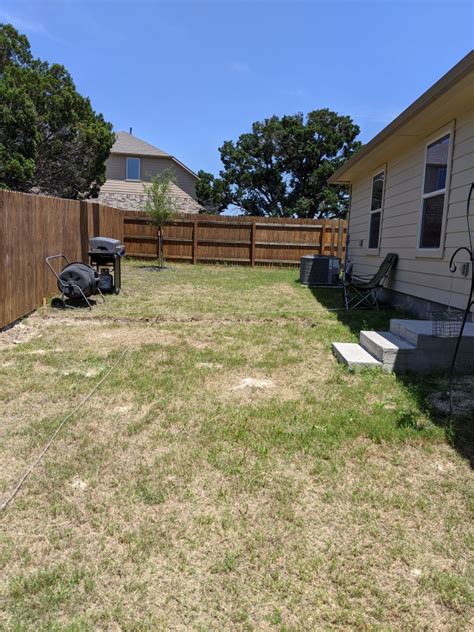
(212, 193)
(51, 140)
(282, 166)
(160, 204)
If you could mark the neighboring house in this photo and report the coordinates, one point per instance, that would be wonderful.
(133, 162)
(409, 189)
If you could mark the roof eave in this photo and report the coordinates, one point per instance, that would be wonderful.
(138, 153)
(456, 73)
(181, 164)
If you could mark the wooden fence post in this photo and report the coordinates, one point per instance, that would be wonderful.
(333, 238)
(195, 240)
(253, 242)
(84, 229)
(95, 219)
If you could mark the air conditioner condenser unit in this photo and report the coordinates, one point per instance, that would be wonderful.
(319, 270)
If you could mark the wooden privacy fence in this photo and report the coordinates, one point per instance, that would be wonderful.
(243, 240)
(33, 227)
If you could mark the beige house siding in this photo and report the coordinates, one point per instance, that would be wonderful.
(129, 195)
(416, 274)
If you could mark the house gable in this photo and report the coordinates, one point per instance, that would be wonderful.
(129, 194)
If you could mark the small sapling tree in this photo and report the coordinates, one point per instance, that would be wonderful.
(161, 205)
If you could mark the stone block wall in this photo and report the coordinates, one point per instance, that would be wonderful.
(136, 201)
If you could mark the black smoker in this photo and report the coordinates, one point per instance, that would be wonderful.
(105, 255)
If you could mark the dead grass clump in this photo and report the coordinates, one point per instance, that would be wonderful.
(103, 338)
(239, 385)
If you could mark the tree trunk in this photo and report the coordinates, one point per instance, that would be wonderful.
(160, 247)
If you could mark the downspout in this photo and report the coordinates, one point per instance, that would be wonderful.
(348, 224)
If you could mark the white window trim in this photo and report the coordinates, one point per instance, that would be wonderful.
(436, 253)
(381, 169)
(139, 169)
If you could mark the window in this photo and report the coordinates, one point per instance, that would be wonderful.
(376, 204)
(133, 169)
(434, 191)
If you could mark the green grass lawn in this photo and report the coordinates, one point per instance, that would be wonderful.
(229, 474)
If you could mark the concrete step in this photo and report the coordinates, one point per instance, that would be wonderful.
(409, 345)
(354, 355)
(387, 347)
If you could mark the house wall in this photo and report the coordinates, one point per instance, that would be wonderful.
(129, 195)
(419, 282)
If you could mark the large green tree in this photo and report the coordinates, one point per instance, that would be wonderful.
(282, 166)
(212, 193)
(51, 140)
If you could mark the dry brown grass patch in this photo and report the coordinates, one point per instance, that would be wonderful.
(179, 513)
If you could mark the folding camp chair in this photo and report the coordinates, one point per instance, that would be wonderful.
(365, 289)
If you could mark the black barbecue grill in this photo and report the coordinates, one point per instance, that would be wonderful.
(105, 255)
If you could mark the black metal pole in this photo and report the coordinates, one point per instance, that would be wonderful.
(470, 300)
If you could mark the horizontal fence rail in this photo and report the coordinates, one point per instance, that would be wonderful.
(248, 240)
(33, 227)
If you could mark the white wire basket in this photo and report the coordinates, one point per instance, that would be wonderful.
(447, 323)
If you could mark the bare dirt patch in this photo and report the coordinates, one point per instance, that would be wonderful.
(251, 383)
(208, 365)
(105, 338)
(102, 336)
(241, 386)
(463, 397)
(20, 333)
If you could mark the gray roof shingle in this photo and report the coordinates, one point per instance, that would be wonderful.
(126, 143)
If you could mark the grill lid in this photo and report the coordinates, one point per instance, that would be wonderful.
(106, 245)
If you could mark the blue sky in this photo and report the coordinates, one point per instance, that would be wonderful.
(189, 74)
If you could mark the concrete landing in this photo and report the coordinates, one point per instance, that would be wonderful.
(410, 330)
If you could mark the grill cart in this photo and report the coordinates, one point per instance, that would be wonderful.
(105, 256)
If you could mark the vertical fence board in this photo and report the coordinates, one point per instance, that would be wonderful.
(195, 241)
(32, 227)
(253, 243)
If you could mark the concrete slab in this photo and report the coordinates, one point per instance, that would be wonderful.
(354, 355)
(410, 330)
